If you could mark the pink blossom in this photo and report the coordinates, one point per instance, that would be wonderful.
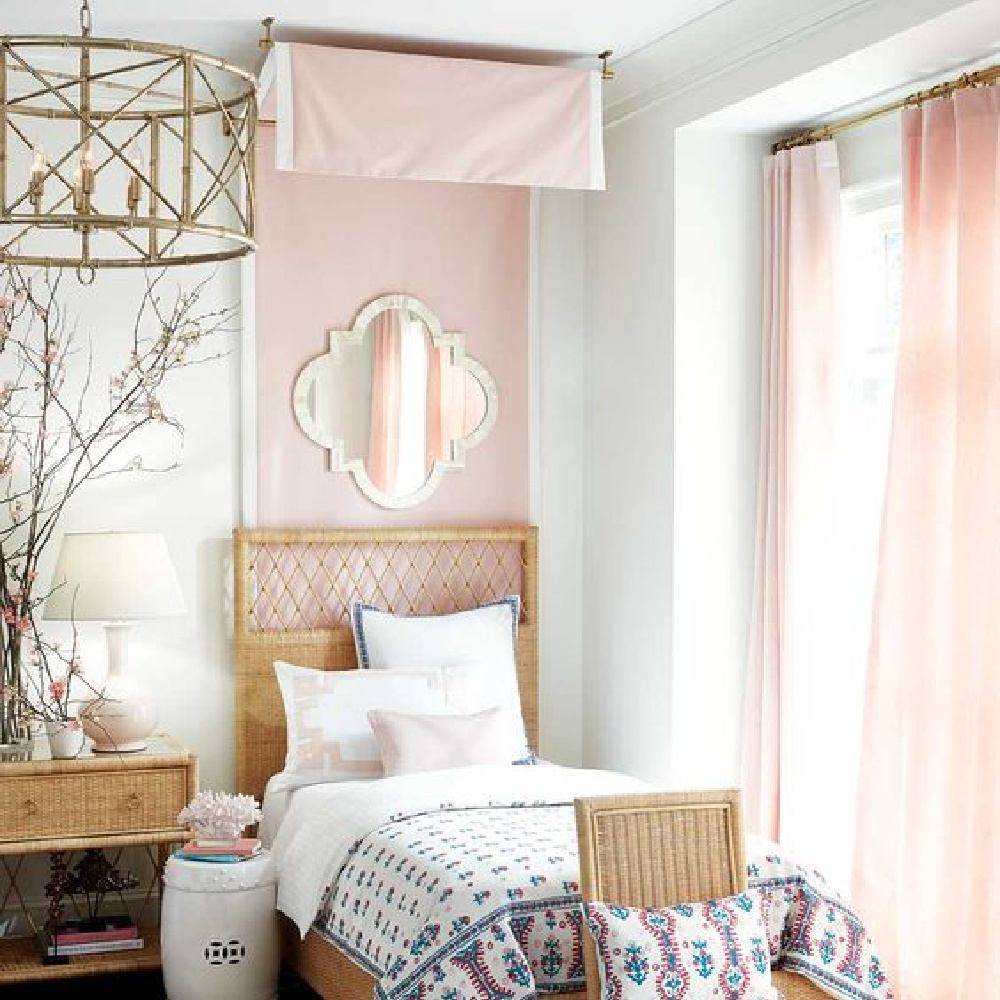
(9, 616)
(6, 303)
(32, 576)
(57, 689)
(23, 624)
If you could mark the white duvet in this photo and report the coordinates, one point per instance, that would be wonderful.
(324, 823)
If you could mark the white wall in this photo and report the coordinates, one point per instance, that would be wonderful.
(870, 157)
(557, 468)
(719, 236)
(650, 381)
(628, 475)
(671, 439)
(185, 662)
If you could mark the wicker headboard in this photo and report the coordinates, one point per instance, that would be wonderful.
(293, 594)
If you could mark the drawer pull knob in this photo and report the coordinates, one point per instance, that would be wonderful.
(134, 800)
(31, 807)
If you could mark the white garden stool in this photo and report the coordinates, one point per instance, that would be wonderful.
(219, 937)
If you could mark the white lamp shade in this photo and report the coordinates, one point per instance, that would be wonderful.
(113, 576)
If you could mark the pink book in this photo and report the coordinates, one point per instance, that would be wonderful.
(245, 846)
(117, 928)
(94, 937)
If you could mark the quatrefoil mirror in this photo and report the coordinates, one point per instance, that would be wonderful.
(396, 401)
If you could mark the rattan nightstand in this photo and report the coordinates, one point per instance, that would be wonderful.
(95, 801)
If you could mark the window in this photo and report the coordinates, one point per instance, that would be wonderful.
(873, 284)
(871, 314)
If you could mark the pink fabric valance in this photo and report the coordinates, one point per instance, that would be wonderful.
(361, 113)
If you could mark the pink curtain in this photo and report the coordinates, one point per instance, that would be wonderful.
(927, 863)
(445, 405)
(387, 388)
(789, 640)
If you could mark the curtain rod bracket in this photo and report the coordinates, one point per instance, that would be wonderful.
(607, 73)
(266, 42)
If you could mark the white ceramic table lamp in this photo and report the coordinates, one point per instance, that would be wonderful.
(115, 577)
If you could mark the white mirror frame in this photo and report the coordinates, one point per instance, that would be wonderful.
(339, 340)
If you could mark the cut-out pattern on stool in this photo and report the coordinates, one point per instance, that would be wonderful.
(225, 952)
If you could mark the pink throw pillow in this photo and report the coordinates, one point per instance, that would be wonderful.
(411, 743)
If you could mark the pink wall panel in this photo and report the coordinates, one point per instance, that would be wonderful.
(328, 245)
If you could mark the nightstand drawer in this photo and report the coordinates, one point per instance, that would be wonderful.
(80, 805)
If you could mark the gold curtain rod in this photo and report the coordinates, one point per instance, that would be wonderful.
(980, 78)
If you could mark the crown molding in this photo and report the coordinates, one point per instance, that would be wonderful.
(740, 33)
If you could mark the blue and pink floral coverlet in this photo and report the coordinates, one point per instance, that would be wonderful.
(484, 904)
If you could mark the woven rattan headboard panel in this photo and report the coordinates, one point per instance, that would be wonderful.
(294, 590)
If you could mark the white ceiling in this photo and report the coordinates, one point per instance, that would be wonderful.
(535, 30)
(933, 51)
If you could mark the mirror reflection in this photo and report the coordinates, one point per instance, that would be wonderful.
(396, 401)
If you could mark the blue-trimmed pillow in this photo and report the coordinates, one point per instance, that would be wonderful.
(702, 951)
(482, 641)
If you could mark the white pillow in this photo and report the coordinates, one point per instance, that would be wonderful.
(483, 641)
(411, 743)
(326, 712)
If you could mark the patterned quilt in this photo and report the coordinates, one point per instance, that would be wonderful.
(484, 905)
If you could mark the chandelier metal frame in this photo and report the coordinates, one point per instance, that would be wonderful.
(155, 213)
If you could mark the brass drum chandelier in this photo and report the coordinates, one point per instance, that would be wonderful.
(118, 153)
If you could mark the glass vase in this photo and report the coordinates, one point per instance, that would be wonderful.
(15, 729)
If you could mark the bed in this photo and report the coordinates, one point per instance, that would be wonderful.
(293, 591)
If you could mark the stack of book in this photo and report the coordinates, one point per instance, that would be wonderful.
(220, 851)
(94, 937)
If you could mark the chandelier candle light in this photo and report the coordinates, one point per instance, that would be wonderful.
(121, 153)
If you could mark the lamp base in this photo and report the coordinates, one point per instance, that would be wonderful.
(119, 722)
(123, 715)
(136, 747)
